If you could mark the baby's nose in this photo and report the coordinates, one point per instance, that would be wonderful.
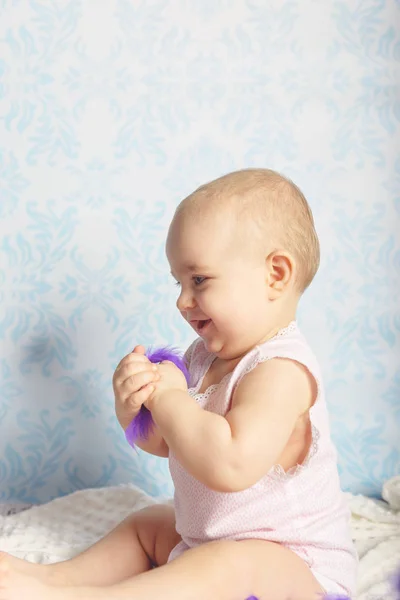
(185, 301)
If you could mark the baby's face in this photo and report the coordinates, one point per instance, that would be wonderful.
(223, 291)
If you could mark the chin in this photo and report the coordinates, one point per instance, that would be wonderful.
(232, 352)
(213, 346)
(219, 349)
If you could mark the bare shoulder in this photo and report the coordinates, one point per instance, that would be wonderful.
(279, 379)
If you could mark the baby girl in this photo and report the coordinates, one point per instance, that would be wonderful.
(258, 508)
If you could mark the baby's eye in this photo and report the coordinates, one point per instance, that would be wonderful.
(198, 280)
(177, 283)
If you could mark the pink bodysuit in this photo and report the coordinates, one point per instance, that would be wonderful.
(302, 509)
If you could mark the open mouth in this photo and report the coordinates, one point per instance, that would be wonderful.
(200, 326)
(203, 324)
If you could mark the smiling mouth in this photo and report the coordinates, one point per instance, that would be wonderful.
(201, 325)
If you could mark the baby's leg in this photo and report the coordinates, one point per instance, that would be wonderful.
(224, 570)
(143, 539)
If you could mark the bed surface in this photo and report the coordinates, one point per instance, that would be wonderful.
(62, 528)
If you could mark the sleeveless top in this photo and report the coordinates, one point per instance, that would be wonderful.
(302, 508)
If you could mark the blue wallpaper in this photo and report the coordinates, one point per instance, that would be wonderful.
(111, 112)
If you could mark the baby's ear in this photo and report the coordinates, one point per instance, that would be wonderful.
(280, 273)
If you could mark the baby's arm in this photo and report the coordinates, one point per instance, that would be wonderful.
(265, 409)
(232, 453)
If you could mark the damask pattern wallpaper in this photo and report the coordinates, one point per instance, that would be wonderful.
(111, 111)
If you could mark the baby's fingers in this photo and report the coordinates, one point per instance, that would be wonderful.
(136, 399)
(129, 369)
(132, 358)
(135, 382)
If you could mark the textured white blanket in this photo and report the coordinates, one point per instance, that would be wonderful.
(62, 528)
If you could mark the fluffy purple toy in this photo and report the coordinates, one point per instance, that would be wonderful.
(396, 584)
(142, 425)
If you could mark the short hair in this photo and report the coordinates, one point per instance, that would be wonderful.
(274, 205)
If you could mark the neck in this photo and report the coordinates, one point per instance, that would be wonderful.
(285, 313)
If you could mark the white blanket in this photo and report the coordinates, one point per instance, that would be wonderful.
(62, 528)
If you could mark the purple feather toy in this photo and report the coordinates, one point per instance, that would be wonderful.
(141, 426)
(396, 584)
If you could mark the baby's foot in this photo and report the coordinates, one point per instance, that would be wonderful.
(16, 585)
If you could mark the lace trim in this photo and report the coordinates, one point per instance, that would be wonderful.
(209, 391)
(286, 330)
(278, 472)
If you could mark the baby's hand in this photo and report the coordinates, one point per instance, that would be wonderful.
(171, 378)
(133, 383)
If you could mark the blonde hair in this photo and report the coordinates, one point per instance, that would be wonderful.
(272, 204)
